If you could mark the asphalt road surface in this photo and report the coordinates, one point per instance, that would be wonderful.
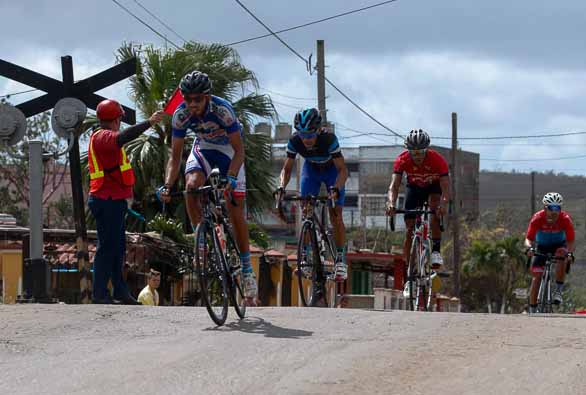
(96, 349)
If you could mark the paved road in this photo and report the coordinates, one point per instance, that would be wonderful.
(60, 349)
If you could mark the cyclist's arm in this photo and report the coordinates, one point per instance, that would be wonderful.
(285, 176)
(238, 159)
(394, 188)
(174, 163)
(342, 172)
(445, 186)
(571, 245)
(529, 243)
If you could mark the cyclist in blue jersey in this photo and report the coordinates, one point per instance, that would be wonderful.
(325, 164)
(218, 143)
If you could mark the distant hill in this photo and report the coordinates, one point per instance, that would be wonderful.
(514, 189)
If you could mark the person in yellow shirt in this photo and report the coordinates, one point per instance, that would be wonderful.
(149, 295)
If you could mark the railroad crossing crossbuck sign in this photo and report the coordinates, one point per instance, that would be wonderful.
(83, 90)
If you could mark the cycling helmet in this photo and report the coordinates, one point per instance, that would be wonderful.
(195, 82)
(307, 120)
(553, 198)
(108, 110)
(417, 139)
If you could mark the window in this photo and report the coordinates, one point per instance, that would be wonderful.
(373, 205)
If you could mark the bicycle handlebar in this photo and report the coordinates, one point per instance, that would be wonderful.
(416, 212)
(549, 256)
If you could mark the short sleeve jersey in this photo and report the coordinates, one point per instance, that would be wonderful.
(213, 128)
(546, 234)
(323, 151)
(429, 172)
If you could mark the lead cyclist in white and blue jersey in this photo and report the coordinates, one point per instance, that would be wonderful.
(218, 143)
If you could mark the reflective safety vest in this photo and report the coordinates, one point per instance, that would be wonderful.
(97, 171)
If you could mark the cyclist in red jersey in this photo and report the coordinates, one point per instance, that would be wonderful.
(550, 232)
(427, 180)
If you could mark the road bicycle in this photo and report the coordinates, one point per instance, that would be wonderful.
(418, 282)
(217, 256)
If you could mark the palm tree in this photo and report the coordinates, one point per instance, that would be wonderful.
(158, 74)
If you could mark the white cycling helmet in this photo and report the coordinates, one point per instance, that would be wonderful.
(553, 198)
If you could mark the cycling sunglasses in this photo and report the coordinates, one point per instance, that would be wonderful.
(307, 136)
(554, 207)
(418, 152)
(194, 98)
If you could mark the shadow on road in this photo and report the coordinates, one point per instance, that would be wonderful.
(259, 326)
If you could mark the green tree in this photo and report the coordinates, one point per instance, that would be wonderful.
(158, 75)
(494, 265)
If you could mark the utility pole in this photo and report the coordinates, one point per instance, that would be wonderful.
(532, 194)
(83, 261)
(321, 81)
(455, 205)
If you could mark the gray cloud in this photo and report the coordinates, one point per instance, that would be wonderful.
(507, 68)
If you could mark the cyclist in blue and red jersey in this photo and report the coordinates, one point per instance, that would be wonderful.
(550, 231)
(218, 143)
(427, 181)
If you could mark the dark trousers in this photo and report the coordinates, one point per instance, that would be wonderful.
(109, 258)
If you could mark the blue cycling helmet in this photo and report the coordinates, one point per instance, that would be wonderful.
(307, 121)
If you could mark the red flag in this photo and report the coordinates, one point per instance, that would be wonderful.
(175, 101)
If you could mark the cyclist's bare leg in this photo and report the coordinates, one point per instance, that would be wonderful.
(338, 224)
(238, 221)
(434, 203)
(410, 225)
(535, 282)
(194, 180)
(560, 273)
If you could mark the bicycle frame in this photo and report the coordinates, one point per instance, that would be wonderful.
(544, 295)
(421, 245)
(314, 218)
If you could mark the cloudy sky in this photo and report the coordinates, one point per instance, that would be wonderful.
(508, 68)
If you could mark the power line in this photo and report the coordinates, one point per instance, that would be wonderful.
(313, 22)
(6, 96)
(534, 159)
(309, 67)
(287, 96)
(160, 21)
(145, 24)
(513, 137)
(274, 34)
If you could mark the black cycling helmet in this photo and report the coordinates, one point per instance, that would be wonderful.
(307, 120)
(195, 82)
(417, 139)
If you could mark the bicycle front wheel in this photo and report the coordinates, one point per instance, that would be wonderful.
(309, 266)
(412, 275)
(212, 276)
(425, 288)
(544, 298)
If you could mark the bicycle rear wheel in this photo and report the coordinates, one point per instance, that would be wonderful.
(425, 279)
(309, 266)
(235, 282)
(212, 276)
